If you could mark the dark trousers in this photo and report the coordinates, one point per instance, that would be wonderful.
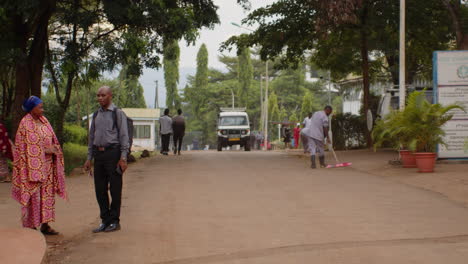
(178, 138)
(165, 140)
(106, 178)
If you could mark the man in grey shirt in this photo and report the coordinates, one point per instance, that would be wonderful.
(165, 130)
(316, 132)
(108, 145)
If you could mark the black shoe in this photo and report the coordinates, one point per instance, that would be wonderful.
(101, 228)
(112, 227)
(322, 162)
(179, 153)
(312, 162)
(175, 152)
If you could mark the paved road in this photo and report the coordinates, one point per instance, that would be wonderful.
(238, 207)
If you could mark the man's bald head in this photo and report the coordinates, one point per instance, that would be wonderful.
(104, 96)
(105, 89)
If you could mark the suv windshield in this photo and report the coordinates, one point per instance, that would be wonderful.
(233, 121)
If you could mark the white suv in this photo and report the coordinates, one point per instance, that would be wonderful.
(233, 128)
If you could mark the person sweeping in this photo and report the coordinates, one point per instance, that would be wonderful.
(316, 134)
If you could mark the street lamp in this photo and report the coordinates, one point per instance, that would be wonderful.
(265, 104)
(402, 55)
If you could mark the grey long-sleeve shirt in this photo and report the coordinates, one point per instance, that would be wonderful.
(103, 132)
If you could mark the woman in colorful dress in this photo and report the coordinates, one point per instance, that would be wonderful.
(5, 154)
(38, 169)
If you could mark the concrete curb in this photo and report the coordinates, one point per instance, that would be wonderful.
(21, 246)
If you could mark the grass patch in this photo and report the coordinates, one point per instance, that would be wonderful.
(75, 156)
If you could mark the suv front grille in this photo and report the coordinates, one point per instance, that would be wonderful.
(234, 132)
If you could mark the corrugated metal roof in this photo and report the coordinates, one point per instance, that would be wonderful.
(141, 113)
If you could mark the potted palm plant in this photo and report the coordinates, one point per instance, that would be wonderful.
(422, 123)
(390, 131)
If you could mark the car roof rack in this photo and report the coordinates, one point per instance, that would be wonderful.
(232, 109)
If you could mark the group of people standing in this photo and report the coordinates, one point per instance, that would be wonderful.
(38, 163)
(172, 126)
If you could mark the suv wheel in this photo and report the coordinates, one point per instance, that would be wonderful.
(247, 145)
(220, 145)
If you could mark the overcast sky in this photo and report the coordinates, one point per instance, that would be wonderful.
(229, 11)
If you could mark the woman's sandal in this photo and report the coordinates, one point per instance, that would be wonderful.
(49, 231)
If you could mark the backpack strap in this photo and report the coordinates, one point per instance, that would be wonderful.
(94, 118)
(114, 118)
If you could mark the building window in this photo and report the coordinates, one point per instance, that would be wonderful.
(141, 131)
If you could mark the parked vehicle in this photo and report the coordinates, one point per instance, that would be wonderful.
(233, 128)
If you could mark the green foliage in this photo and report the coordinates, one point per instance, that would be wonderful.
(75, 156)
(129, 91)
(348, 131)
(75, 134)
(245, 77)
(171, 74)
(293, 118)
(418, 127)
(308, 105)
(273, 108)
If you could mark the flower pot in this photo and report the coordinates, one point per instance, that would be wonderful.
(407, 159)
(425, 161)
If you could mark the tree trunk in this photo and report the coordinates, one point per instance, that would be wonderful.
(454, 9)
(365, 69)
(464, 42)
(29, 68)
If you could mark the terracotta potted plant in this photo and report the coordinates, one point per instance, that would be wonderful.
(423, 122)
(389, 132)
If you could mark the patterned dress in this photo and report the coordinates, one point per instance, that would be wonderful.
(37, 176)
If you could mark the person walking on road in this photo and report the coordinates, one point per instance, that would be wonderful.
(305, 123)
(316, 133)
(108, 145)
(287, 137)
(38, 168)
(178, 127)
(165, 130)
(6, 153)
(297, 133)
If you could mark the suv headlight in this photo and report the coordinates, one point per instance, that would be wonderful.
(223, 132)
(244, 132)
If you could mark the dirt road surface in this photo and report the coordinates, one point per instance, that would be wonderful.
(255, 207)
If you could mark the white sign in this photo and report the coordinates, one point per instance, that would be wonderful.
(452, 67)
(456, 139)
(451, 87)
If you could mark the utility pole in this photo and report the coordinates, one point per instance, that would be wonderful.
(156, 96)
(262, 110)
(266, 108)
(232, 94)
(402, 84)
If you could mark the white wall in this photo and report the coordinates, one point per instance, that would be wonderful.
(147, 143)
(352, 107)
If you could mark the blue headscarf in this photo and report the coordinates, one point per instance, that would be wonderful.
(30, 103)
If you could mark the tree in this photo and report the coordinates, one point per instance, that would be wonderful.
(106, 33)
(245, 76)
(171, 74)
(293, 118)
(130, 91)
(307, 105)
(458, 10)
(341, 35)
(201, 79)
(273, 108)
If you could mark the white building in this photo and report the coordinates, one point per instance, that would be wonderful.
(144, 127)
